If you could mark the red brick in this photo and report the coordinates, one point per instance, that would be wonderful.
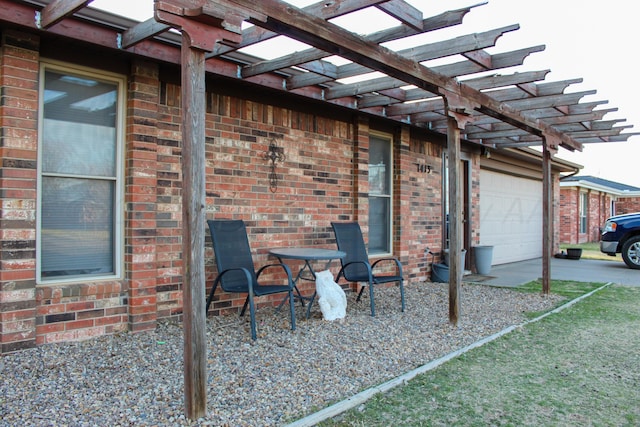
(79, 324)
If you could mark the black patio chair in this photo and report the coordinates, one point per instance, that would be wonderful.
(236, 272)
(356, 266)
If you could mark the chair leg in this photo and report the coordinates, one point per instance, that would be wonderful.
(373, 304)
(293, 311)
(402, 295)
(252, 312)
(244, 307)
(313, 298)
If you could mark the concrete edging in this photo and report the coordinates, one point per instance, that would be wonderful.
(363, 396)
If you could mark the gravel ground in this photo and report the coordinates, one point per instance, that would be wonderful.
(137, 379)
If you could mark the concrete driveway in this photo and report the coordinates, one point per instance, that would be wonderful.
(583, 270)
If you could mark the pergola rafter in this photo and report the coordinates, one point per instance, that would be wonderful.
(310, 73)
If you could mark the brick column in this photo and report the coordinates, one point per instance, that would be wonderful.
(141, 264)
(18, 172)
(403, 230)
(361, 173)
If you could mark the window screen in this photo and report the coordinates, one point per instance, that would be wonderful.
(380, 174)
(78, 176)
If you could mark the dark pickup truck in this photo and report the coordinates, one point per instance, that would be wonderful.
(621, 234)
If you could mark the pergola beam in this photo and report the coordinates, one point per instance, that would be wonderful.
(57, 10)
(324, 9)
(403, 12)
(142, 31)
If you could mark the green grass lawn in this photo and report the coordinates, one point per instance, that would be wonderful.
(574, 368)
(591, 251)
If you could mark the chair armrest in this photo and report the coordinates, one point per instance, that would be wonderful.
(277, 265)
(395, 260)
(244, 270)
(344, 266)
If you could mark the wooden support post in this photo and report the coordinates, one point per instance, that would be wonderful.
(547, 214)
(199, 35)
(193, 225)
(455, 219)
(458, 116)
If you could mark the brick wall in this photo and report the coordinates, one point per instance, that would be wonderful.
(627, 205)
(143, 179)
(33, 314)
(18, 151)
(324, 178)
(599, 209)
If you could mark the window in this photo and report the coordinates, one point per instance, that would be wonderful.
(583, 212)
(380, 174)
(612, 207)
(79, 174)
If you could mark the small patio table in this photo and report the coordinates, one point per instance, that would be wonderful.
(308, 255)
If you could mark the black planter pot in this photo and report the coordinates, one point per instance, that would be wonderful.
(574, 253)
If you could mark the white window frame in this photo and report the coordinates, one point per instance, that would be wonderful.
(583, 212)
(118, 204)
(612, 206)
(389, 250)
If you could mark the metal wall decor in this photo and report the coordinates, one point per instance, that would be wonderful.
(274, 154)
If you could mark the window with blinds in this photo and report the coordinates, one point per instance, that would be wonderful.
(380, 186)
(79, 175)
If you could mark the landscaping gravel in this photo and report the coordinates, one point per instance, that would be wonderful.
(137, 379)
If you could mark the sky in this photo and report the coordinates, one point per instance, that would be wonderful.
(587, 39)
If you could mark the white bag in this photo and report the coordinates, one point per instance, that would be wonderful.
(331, 297)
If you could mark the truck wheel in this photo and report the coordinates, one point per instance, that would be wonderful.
(631, 252)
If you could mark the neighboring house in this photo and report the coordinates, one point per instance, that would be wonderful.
(92, 180)
(587, 201)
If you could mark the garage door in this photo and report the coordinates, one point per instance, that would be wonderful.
(510, 216)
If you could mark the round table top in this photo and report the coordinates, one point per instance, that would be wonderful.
(307, 253)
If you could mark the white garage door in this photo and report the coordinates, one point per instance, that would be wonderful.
(510, 216)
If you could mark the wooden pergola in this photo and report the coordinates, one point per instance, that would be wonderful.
(464, 98)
